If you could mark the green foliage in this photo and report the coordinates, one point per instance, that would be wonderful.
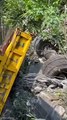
(1, 8)
(42, 17)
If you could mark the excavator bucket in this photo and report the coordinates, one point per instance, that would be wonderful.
(12, 54)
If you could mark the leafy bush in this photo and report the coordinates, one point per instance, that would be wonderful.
(44, 18)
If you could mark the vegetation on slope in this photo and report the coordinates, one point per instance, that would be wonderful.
(45, 18)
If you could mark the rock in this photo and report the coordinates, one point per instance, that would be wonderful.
(41, 60)
(64, 89)
(41, 80)
(55, 102)
(60, 110)
(65, 116)
(55, 82)
(64, 83)
(45, 96)
(37, 89)
(45, 101)
(50, 88)
(51, 100)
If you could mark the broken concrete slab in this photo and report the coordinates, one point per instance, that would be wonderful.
(50, 113)
(46, 102)
(60, 110)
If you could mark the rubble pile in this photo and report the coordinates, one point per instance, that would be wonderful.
(47, 80)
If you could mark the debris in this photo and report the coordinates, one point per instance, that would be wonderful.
(60, 110)
(65, 116)
(51, 87)
(45, 96)
(37, 89)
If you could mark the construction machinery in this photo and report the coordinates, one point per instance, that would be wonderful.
(12, 54)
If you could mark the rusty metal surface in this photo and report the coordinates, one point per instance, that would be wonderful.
(7, 40)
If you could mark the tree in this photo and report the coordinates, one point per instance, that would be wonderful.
(35, 16)
(1, 13)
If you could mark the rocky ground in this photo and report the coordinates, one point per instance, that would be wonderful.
(51, 94)
(35, 96)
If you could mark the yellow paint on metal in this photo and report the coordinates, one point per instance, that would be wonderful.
(10, 63)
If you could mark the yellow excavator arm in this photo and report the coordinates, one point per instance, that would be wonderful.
(11, 58)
